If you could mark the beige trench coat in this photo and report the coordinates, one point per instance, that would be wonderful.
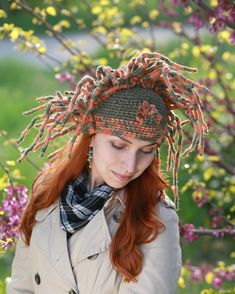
(51, 265)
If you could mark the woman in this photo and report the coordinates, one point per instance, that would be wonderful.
(98, 220)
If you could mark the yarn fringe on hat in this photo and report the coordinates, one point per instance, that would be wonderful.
(76, 111)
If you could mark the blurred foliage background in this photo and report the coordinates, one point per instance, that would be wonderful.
(113, 32)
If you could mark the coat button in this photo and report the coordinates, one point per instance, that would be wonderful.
(93, 257)
(72, 291)
(116, 218)
(37, 278)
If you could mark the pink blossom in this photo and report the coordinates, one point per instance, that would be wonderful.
(12, 208)
(221, 275)
(197, 275)
(217, 282)
(232, 37)
(231, 15)
(189, 235)
(65, 77)
(184, 2)
(217, 26)
(225, 4)
(218, 13)
(200, 195)
(196, 20)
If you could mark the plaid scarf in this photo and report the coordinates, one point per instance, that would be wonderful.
(78, 206)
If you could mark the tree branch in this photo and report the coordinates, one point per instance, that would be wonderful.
(59, 37)
(4, 134)
(214, 232)
(8, 175)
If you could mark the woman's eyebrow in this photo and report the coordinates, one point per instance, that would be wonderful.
(150, 144)
(124, 139)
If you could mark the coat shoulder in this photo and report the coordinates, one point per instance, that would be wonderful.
(166, 211)
(43, 213)
(167, 202)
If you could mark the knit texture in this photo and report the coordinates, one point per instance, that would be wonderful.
(134, 112)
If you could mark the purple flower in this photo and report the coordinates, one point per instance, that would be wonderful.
(200, 195)
(184, 2)
(197, 275)
(231, 15)
(225, 4)
(189, 235)
(218, 13)
(196, 20)
(222, 274)
(232, 37)
(12, 208)
(65, 77)
(217, 282)
(218, 25)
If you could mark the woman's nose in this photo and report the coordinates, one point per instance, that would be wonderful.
(129, 163)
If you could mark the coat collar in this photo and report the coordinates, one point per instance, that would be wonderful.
(53, 240)
(43, 213)
(117, 196)
(95, 237)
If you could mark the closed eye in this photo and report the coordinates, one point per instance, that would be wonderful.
(147, 152)
(119, 147)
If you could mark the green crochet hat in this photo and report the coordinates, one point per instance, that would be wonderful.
(135, 112)
(137, 99)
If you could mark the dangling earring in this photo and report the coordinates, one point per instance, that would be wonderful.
(90, 156)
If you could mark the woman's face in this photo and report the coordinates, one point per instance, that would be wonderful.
(117, 161)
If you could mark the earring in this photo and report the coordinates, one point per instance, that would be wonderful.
(90, 156)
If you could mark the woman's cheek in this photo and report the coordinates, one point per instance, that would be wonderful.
(147, 161)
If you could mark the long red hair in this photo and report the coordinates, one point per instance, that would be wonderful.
(139, 223)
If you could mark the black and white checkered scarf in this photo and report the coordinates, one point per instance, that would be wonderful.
(78, 206)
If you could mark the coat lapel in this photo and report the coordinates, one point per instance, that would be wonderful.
(93, 239)
(52, 240)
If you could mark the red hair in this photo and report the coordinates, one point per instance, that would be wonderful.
(139, 223)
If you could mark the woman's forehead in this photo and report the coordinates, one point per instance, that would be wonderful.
(126, 139)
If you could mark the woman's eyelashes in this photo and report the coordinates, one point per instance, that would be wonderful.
(149, 151)
(116, 146)
(121, 147)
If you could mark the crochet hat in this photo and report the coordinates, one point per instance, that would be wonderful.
(138, 99)
(135, 112)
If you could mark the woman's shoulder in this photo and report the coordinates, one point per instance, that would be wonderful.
(45, 212)
(167, 202)
(166, 210)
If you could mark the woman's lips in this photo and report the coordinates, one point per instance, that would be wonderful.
(121, 177)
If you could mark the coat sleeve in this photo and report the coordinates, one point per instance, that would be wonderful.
(162, 260)
(21, 278)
